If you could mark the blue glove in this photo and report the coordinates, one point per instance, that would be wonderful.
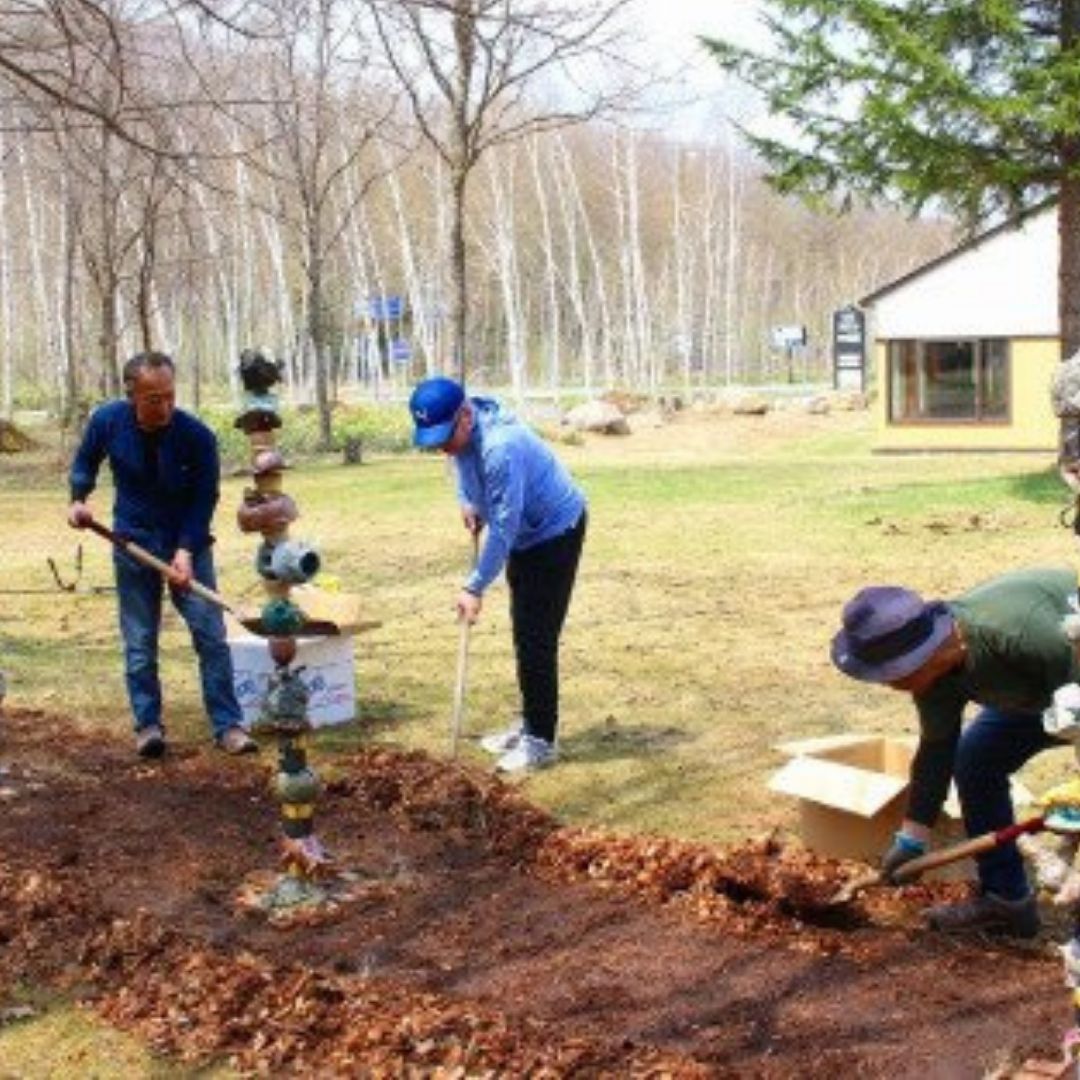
(904, 848)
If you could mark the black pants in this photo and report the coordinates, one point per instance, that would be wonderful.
(541, 580)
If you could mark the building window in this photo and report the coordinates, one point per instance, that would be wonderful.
(967, 379)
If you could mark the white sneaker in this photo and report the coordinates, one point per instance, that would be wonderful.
(528, 754)
(502, 742)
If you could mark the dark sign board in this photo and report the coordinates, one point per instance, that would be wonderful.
(849, 349)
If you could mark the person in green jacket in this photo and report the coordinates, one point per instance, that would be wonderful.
(1003, 647)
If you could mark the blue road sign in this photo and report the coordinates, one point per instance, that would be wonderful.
(400, 351)
(386, 307)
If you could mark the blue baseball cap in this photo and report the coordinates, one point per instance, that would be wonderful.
(434, 406)
(888, 633)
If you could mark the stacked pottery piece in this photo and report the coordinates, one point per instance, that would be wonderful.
(282, 563)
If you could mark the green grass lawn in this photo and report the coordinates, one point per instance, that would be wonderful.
(64, 1042)
(720, 551)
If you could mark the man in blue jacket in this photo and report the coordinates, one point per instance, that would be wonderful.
(164, 465)
(510, 481)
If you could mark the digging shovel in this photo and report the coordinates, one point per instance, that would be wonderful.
(140, 554)
(967, 849)
(458, 713)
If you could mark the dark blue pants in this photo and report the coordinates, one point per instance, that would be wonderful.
(140, 590)
(991, 748)
(541, 580)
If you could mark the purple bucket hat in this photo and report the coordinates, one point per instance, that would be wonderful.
(889, 633)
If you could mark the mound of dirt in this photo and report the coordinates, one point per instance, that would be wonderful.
(12, 440)
(483, 937)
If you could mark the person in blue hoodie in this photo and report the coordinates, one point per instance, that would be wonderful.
(510, 482)
(164, 465)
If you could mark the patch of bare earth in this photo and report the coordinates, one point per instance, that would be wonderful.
(485, 940)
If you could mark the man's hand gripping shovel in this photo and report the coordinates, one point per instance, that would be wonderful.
(977, 845)
(1060, 808)
(141, 555)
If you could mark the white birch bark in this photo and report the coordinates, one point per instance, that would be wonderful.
(574, 283)
(504, 249)
(7, 352)
(35, 241)
(731, 259)
(553, 336)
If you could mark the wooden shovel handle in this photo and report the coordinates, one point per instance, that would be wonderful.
(140, 554)
(461, 682)
(969, 848)
(459, 686)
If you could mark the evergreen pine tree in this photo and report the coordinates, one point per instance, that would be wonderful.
(971, 106)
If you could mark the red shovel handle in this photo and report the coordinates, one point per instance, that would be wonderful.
(975, 846)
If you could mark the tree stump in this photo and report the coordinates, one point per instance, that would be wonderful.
(353, 451)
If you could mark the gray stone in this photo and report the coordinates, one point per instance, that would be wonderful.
(600, 417)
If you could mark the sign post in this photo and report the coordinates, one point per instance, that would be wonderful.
(787, 339)
(849, 349)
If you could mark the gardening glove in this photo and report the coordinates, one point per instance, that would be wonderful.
(904, 848)
(1061, 807)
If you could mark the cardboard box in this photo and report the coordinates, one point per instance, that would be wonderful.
(852, 793)
(329, 674)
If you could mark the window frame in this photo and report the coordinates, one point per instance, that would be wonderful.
(979, 344)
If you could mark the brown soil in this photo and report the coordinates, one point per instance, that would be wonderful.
(485, 940)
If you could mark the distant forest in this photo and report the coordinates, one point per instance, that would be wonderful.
(264, 188)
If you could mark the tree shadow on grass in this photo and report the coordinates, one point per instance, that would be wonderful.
(610, 740)
(1044, 488)
(373, 715)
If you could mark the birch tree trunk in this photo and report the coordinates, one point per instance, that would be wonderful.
(551, 281)
(7, 357)
(69, 410)
(35, 242)
(731, 260)
(506, 262)
(413, 287)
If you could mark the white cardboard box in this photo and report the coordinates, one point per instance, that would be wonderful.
(329, 674)
(852, 793)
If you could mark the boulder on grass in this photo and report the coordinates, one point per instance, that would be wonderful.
(750, 405)
(600, 417)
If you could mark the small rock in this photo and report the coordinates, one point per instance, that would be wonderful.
(14, 1013)
(750, 405)
(600, 417)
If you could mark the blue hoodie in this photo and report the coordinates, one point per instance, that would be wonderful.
(516, 484)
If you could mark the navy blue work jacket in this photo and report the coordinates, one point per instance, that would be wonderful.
(166, 484)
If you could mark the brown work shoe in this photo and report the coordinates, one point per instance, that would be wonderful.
(988, 913)
(150, 741)
(236, 740)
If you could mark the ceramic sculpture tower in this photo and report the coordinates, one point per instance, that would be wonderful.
(282, 563)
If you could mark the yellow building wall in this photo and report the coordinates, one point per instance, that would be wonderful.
(1032, 424)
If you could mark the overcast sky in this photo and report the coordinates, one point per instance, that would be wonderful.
(674, 23)
(670, 29)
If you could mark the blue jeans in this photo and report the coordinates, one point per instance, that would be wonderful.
(991, 748)
(140, 589)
